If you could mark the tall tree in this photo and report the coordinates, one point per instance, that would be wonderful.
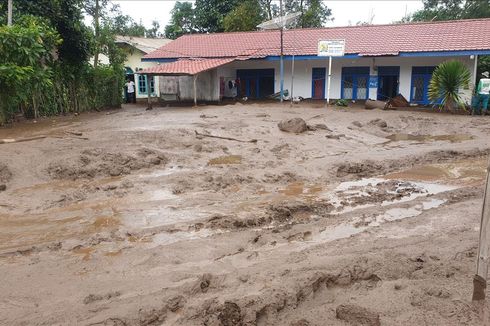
(66, 17)
(181, 21)
(125, 25)
(452, 9)
(209, 14)
(154, 31)
(245, 17)
(314, 13)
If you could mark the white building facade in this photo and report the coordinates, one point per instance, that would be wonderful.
(380, 61)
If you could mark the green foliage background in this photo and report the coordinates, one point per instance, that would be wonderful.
(44, 68)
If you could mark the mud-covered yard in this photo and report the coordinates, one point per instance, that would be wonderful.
(130, 218)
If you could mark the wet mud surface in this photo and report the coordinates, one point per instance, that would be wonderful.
(366, 218)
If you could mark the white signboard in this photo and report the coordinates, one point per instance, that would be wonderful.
(332, 48)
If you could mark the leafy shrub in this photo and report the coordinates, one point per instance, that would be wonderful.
(342, 102)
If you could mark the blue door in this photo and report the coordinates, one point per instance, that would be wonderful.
(419, 91)
(318, 83)
(255, 83)
(355, 82)
(388, 77)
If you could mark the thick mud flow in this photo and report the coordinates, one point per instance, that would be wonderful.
(128, 218)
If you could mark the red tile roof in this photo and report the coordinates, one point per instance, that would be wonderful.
(373, 40)
(186, 66)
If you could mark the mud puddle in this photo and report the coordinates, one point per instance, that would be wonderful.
(456, 138)
(370, 192)
(346, 230)
(461, 172)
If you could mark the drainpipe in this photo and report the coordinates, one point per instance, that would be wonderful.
(195, 89)
(148, 92)
(281, 68)
(475, 71)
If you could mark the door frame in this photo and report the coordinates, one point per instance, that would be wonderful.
(426, 73)
(323, 72)
(355, 72)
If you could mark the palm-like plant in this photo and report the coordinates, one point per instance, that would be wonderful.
(447, 80)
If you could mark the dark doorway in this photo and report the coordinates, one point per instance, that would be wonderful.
(318, 83)
(256, 83)
(388, 78)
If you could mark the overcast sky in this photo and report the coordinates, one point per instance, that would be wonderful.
(344, 12)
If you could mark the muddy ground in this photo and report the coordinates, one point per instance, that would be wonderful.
(130, 218)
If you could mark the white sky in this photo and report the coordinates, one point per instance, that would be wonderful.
(345, 12)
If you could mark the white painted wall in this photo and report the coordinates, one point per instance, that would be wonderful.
(133, 61)
(303, 71)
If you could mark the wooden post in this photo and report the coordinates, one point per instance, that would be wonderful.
(148, 92)
(480, 279)
(195, 90)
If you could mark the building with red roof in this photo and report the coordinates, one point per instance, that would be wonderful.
(379, 61)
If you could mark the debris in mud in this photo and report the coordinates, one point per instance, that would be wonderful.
(359, 168)
(95, 162)
(357, 124)
(97, 297)
(230, 314)
(201, 135)
(205, 282)
(357, 315)
(229, 159)
(318, 126)
(294, 125)
(338, 136)
(378, 122)
(176, 303)
(3, 187)
(5, 174)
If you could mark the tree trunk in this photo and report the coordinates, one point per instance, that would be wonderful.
(97, 32)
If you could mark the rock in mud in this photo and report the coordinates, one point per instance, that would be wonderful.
(3, 187)
(360, 168)
(5, 174)
(301, 322)
(97, 297)
(321, 126)
(378, 122)
(230, 314)
(294, 125)
(356, 315)
(176, 303)
(357, 124)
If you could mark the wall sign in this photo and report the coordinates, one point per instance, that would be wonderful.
(331, 48)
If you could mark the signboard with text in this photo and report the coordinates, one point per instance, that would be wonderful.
(331, 48)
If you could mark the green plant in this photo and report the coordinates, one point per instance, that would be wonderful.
(342, 102)
(447, 80)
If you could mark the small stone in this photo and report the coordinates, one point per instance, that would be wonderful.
(357, 124)
(3, 187)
